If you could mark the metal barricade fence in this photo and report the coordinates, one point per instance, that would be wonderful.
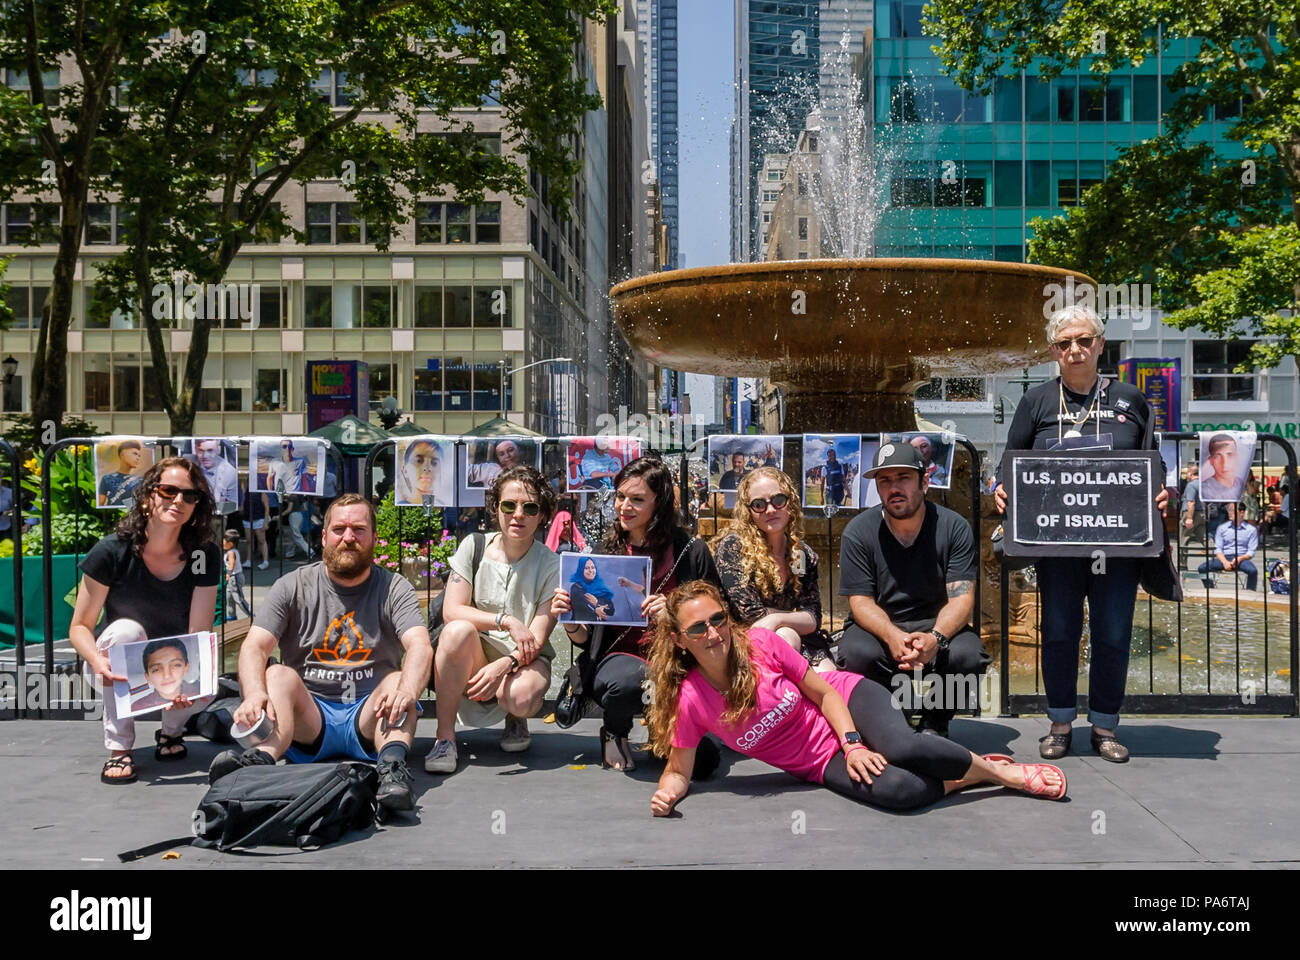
(1177, 688)
(13, 477)
(59, 661)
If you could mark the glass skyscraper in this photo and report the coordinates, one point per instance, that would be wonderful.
(657, 30)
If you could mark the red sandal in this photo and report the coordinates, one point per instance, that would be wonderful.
(1036, 781)
(997, 758)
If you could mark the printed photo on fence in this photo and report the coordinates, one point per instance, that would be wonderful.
(594, 462)
(481, 460)
(731, 456)
(219, 460)
(832, 464)
(868, 495)
(120, 465)
(605, 589)
(425, 468)
(936, 449)
(1225, 463)
(286, 466)
(158, 671)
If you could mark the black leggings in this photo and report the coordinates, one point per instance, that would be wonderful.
(918, 763)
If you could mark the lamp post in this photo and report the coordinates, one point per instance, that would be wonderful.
(504, 362)
(9, 366)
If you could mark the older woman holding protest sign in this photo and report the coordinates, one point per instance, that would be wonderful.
(1063, 413)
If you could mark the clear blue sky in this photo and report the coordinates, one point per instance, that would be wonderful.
(706, 74)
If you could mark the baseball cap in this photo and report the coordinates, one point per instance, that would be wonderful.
(896, 454)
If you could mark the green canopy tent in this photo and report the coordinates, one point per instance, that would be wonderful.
(409, 428)
(496, 427)
(353, 436)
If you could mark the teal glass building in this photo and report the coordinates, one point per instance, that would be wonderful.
(971, 171)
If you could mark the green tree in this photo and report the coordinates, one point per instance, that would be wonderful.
(1170, 211)
(230, 104)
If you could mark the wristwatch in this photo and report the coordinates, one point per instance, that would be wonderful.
(852, 737)
(943, 641)
(514, 663)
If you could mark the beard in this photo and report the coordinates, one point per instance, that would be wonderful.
(904, 509)
(346, 560)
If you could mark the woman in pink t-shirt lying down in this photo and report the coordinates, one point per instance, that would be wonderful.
(837, 729)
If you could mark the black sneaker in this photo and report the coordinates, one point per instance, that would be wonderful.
(231, 760)
(394, 786)
(936, 725)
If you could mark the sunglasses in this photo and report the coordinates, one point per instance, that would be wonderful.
(700, 629)
(1084, 342)
(531, 508)
(169, 492)
(759, 504)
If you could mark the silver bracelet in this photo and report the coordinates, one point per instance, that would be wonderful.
(500, 616)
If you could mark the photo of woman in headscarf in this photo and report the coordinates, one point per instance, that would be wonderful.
(592, 600)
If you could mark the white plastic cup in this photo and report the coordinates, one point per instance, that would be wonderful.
(248, 737)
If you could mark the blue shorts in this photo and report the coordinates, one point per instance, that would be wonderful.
(341, 739)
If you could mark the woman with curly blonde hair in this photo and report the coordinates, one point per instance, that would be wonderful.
(762, 699)
(769, 573)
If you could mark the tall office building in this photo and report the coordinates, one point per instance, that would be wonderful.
(657, 31)
(461, 289)
(777, 68)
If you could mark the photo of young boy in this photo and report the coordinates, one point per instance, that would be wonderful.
(163, 672)
(120, 465)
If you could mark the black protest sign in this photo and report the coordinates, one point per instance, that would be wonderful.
(1064, 503)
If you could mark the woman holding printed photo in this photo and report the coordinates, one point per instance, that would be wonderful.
(613, 660)
(159, 571)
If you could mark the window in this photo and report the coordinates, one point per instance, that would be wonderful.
(1038, 101)
(383, 382)
(126, 387)
(1213, 365)
(317, 305)
(459, 217)
(1108, 362)
(1069, 191)
(29, 223)
(338, 223)
(492, 306)
(376, 306)
(803, 184)
(99, 223)
(457, 309)
(812, 144)
(773, 175)
(428, 385)
(26, 304)
(269, 306)
(487, 223)
(769, 196)
(428, 223)
(1146, 97)
(767, 216)
(16, 78)
(1006, 100)
(1038, 183)
(428, 306)
(458, 383)
(1006, 183)
(803, 228)
(269, 389)
(96, 382)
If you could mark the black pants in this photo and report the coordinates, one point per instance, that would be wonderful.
(864, 653)
(919, 763)
(617, 688)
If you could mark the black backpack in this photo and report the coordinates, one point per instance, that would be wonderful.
(296, 805)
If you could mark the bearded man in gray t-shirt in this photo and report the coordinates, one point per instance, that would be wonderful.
(341, 689)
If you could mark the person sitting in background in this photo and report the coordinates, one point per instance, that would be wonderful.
(495, 649)
(1235, 542)
(768, 572)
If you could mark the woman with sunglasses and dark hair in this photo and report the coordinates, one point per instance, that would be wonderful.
(158, 571)
(838, 729)
(493, 657)
(768, 571)
(613, 665)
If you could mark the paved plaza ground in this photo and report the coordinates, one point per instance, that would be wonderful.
(1198, 793)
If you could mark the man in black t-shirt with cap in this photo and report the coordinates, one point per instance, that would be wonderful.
(908, 567)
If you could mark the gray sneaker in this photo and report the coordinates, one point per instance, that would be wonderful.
(516, 738)
(442, 758)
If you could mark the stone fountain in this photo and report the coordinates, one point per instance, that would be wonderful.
(848, 341)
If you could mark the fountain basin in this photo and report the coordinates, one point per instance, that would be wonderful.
(847, 340)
